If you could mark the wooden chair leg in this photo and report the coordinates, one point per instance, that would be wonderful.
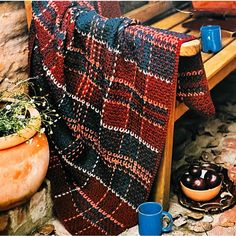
(28, 11)
(161, 186)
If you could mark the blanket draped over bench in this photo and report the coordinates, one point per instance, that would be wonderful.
(113, 82)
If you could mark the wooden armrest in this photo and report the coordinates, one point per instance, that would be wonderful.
(187, 49)
(190, 48)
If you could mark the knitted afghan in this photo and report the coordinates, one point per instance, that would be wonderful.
(113, 82)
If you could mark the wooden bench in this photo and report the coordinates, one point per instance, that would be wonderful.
(217, 67)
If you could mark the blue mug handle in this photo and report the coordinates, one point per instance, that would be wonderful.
(169, 227)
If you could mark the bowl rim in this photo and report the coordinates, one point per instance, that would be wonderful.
(199, 190)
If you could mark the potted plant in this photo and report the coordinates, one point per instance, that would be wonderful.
(24, 150)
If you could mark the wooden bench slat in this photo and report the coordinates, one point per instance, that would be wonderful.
(180, 109)
(179, 28)
(148, 11)
(225, 42)
(189, 48)
(171, 21)
(221, 59)
(226, 37)
(222, 74)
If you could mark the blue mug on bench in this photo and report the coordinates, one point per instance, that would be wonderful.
(211, 38)
(150, 219)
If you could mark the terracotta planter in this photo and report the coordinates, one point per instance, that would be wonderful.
(24, 159)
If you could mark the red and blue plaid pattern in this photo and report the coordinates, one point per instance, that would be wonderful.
(113, 82)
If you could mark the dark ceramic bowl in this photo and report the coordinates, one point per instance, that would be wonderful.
(201, 195)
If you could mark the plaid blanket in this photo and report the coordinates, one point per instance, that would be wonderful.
(113, 82)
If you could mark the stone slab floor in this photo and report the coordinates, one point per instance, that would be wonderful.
(211, 140)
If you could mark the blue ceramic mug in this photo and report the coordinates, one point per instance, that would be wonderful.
(150, 218)
(211, 38)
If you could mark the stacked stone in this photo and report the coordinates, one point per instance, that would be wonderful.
(13, 43)
(28, 217)
(13, 68)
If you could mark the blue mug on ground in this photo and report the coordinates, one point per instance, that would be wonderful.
(150, 219)
(211, 38)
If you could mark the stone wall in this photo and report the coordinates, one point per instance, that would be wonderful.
(13, 43)
(26, 218)
(13, 67)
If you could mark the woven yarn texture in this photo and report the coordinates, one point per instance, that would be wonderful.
(113, 83)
